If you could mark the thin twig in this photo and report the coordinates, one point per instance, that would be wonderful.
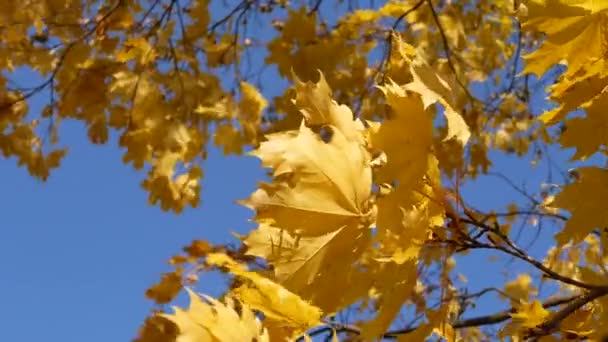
(448, 53)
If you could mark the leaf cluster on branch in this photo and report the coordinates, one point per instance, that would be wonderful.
(374, 121)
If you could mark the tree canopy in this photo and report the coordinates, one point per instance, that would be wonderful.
(376, 120)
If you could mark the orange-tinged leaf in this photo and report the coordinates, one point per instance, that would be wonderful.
(137, 48)
(168, 287)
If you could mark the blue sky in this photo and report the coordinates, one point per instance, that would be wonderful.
(79, 251)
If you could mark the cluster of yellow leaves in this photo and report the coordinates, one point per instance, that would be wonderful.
(155, 70)
(573, 33)
(285, 314)
(356, 187)
(105, 64)
(573, 30)
(321, 225)
(342, 52)
(19, 139)
(350, 202)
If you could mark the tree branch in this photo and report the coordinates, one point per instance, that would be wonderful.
(551, 325)
(495, 318)
(516, 252)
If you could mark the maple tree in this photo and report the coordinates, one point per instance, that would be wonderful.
(386, 113)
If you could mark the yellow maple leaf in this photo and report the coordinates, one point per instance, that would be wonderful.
(401, 241)
(579, 322)
(530, 315)
(274, 300)
(251, 106)
(572, 29)
(394, 283)
(407, 212)
(520, 289)
(584, 199)
(406, 137)
(576, 91)
(437, 324)
(211, 320)
(434, 89)
(588, 134)
(316, 105)
(326, 185)
(137, 48)
(308, 267)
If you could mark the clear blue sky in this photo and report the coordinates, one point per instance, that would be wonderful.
(78, 252)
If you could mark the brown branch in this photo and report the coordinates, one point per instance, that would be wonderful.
(140, 24)
(551, 325)
(529, 213)
(514, 187)
(528, 259)
(315, 8)
(222, 21)
(495, 318)
(513, 250)
(389, 39)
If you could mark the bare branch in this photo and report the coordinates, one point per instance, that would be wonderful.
(511, 249)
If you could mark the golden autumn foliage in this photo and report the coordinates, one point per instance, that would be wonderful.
(373, 119)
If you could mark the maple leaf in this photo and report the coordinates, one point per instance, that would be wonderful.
(307, 265)
(579, 323)
(286, 314)
(251, 106)
(262, 294)
(436, 325)
(571, 29)
(318, 108)
(405, 137)
(207, 321)
(588, 134)
(530, 315)
(584, 200)
(395, 283)
(157, 328)
(520, 289)
(137, 48)
(434, 89)
(576, 91)
(320, 188)
(168, 287)
(406, 212)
